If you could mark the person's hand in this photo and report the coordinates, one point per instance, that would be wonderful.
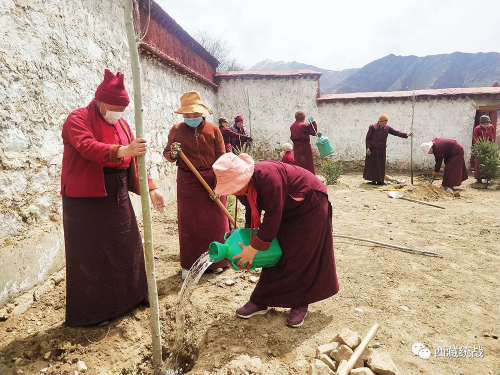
(368, 152)
(249, 139)
(138, 146)
(157, 200)
(246, 256)
(434, 173)
(215, 198)
(175, 148)
(410, 134)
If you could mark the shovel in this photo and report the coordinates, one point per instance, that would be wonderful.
(400, 195)
(431, 181)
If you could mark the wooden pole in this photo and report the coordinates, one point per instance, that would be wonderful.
(143, 181)
(414, 99)
(402, 248)
(344, 370)
(208, 188)
(422, 202)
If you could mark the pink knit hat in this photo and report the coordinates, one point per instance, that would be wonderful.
(232, 172)
(238, 118)
(112, 90)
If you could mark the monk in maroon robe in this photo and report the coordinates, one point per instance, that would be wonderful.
(452, 153)
(484, 131)
(376, 145)
(105, 272)
(288, 157)
(299, 215)
(230, 136)
(200, 220)
(300, 133)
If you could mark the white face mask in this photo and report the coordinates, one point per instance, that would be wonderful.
(112, 117)
(484, 126)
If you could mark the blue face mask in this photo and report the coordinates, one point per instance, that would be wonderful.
(193, 122)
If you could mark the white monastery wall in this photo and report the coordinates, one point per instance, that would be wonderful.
(52, 57)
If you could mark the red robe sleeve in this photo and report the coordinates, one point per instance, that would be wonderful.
(369, 136)
(397, 134)
(78, 131)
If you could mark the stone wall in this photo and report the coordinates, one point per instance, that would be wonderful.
(52, 56)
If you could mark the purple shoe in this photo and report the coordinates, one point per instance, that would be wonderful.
(297, 316)
(250, 309)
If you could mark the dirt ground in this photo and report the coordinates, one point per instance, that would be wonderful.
(440, 302)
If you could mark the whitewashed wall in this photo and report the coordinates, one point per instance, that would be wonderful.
(52, 57)
(270, 108)
(346, 124)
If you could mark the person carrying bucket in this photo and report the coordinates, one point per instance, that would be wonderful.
(300, 133)
(200, 221)
(299, 215)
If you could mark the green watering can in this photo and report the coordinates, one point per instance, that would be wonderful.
(323, 143)
(231, 247)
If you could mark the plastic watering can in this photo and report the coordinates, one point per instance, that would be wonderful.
(323, 143)
(231, 247)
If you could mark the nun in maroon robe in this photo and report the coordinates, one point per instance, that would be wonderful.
(300, 133)
(376, 144)
(452, 153)
(105, 272)
(297, 213)
(288, 157)
(200, 220)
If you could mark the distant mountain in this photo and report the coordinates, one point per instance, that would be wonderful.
(400, 73)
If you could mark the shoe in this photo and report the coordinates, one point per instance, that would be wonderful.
(184, 273)
(381, 183)
(488, 181)
(297, 316)
(479, 181)
(218, 270)
(250, 309)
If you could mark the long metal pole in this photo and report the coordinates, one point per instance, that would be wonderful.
(411, 140)
(402, 248)
(143, 181)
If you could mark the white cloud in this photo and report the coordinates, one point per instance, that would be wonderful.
(335, 34)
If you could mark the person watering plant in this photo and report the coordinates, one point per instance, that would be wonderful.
(300, 133)
(376, 145)
(200, 221)
(288, 156)
(299, 215)
(239, 143)
(452, 153)
(105, 271)
(484, 131)
(231, 136)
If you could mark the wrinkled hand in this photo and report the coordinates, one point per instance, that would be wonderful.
(249, 139)
(175, 148)
(214, 198)
(246, 256)
(434, 174)
(157, 200)
(368, 152)
(410, 134)
(138, 146)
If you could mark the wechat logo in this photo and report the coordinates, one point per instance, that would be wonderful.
(420, 350)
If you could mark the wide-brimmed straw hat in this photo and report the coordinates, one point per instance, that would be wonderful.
(232, 172)
(426, 146)
(191, 103)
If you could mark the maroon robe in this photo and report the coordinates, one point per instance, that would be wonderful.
(480, 134)
(230, 136)
(452, 153)
(299, 215)
(288, 158)
(300, 133)
(376, 142)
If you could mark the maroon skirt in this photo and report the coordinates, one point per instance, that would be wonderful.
(375, 165)
(200, 219)
(303, 154)
(105, 272)
(455, 171)
(306, 272)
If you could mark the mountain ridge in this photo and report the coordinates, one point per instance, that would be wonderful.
(402, 73)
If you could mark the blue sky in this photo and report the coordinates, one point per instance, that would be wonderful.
(336, 35)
